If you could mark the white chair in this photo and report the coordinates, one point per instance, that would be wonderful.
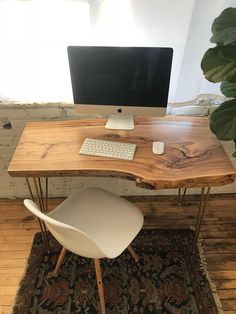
(92, 223)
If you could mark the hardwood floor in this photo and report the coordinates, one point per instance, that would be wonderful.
(17, 228)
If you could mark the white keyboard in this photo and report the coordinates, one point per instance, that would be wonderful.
(111, 149)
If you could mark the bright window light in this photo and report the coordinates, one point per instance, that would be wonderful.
(34, 36)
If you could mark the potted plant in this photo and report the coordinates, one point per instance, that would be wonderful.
(219, 65)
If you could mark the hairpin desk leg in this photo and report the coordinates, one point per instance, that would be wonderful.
(39, 194)
(181, 197)
(201, 212)
(46, 194)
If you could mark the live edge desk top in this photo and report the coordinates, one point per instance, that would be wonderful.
(193, 156)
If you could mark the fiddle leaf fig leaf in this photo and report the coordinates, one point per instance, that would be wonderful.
(219, 64)
(228, 89)
(224, 28)
(223, 121)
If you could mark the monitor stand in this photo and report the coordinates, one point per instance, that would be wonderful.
(121, 122)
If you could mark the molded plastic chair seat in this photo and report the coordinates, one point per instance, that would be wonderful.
(109, 220)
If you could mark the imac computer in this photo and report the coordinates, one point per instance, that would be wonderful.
(120, 81)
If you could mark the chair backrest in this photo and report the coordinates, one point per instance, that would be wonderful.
(68, 236)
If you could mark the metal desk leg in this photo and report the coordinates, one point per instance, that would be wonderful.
(46, 194)
(40, 201)
(201, 212)
(181, 198)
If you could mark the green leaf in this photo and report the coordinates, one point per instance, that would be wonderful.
(223, 121)
(228, 89)
(224, 28)
(219, 64)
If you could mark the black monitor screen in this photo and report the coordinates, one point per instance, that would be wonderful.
(127, 76)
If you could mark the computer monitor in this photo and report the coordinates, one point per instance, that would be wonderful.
(120, 81)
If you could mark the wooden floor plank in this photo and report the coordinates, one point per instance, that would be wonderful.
(18, 232)
(15, 239)
(229, 305)
(21, 225)
(16, 271)
(212, 257)
(222, 265)
(5, 309)
(15, 246)
(7, 299)
(220, 274)
(229, 294)
(13, 262)
(225, 284)
(10, 281)
(12, 254)
(8, 291)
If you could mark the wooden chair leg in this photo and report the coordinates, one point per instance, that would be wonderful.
(59, 261)
(100, 285)
(132, 252)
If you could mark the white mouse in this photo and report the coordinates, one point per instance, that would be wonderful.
(158, 148)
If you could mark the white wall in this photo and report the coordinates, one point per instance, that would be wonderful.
(197, 43)
(34, 35)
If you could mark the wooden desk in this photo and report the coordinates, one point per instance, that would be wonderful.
(193, 156)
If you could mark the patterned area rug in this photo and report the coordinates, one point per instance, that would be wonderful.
(169, 278)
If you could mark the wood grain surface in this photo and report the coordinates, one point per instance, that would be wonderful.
(193, 156)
